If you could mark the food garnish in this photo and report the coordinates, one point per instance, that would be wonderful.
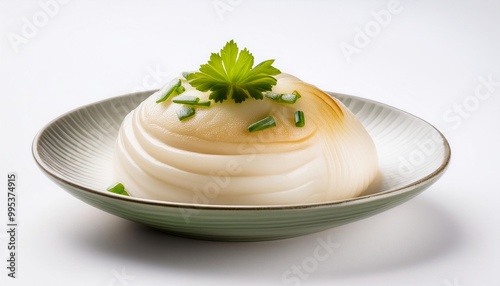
(118, 188)
(230, 74)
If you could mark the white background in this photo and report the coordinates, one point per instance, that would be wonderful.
(426, 59)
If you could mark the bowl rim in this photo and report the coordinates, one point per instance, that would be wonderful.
(54, 175)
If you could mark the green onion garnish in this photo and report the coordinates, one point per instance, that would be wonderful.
(297, 94)
(185, 112)
(118, 188)
(262, 124)
(300, 121)
(186, 99)
(201, 103)
(186, 75)
(190, 100)
(168, 90)
(289, 98)
(274, 96)
(180, 89)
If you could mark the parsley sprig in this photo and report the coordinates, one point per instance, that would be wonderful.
(230, 75)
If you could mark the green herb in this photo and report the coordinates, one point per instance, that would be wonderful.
(186, 75)
(190, 100)
(186, 99)
(289, 98)
(297, 94)
(185, 112)
(180, 89)
(168, 90)
(230, 75)
(262, 124)
(300, 120)
(201, 103)
(118, 188)
(274, 96)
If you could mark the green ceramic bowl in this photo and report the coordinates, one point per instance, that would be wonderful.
(75, 151)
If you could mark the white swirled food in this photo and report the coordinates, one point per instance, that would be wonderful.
(212, 158)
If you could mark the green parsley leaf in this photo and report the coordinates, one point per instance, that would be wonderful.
(231, 75)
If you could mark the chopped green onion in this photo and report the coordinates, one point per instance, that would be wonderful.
(289, 98)
(201, 103)
(180, 89)
(185, 112)
(300, 121)
(186, 75)
(262, 124)
(186, 99)
(297, 94)
(168, 90)
(190, 100)
(274, 96)
(118, 188)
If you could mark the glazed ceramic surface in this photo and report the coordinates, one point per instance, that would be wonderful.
(75, 151)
